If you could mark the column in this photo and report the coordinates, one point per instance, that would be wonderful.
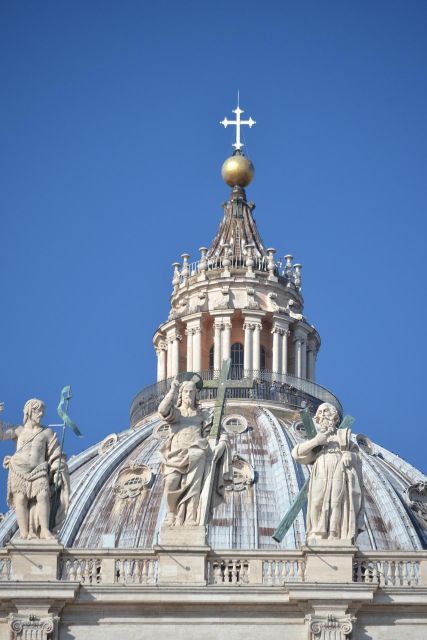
(161, 350)
(285, 351)
(256, 343)
(169, 357)
(175, 354)
(189, 334)
(247, 353)
(276, 366)
(197, 349)
(311, 359)
(298, 354)
(300, 338)
(217, 344)
(303, 359)
(226, 337)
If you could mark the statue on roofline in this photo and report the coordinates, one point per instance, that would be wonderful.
(185, 453)
(35, 469)
(335, 494)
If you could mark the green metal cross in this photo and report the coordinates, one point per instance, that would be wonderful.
(222, 384)
(290, 516)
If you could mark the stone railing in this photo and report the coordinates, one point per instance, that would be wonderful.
(270, 386)
(136, 570)
(84, 569)
(238, 262)
(232, 568)
(388, 570)
(121, 566)
(270, 568)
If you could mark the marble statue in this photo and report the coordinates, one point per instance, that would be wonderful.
(335, 495)
(185, 453)
(32, 471)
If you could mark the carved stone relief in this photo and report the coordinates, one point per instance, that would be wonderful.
(131, 481)
(330, 628)
(365, 444)
(162, 431)
(417, 499)
(243, 474)
(31, 627)
(108, 443)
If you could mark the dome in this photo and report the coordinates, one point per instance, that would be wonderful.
(117, 488)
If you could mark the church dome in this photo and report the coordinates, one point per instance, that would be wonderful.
(117, 486)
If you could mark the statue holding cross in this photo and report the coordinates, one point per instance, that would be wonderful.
(335, 488)
(196, 458)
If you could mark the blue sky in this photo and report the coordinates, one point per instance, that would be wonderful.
(110, 157)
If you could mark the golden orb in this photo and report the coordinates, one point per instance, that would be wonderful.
(237, 171)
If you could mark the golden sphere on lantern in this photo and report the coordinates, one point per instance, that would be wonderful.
(237, 171)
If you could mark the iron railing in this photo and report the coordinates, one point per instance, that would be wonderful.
(267, 385)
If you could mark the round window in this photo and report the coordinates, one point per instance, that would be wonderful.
(235, 424)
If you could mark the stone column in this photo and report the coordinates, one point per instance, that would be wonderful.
(189, 334)
(298, 356)
(311, 360)
(277, 364)
(197, 349)
(285, 351)
(256, 344)
(247, 352)
(175, 353)
(226, 337)
(169, 357)
(217, 344)
(300, 339)
(161, 351)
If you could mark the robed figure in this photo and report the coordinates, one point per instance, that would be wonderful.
(185, 454)
(335, 495)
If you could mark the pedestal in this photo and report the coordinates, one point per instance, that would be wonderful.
(34, 559)
(329, 561)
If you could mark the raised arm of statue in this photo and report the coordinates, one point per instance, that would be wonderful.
(167, 406)
(8, 432)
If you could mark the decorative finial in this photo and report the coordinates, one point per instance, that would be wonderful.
(238, 123)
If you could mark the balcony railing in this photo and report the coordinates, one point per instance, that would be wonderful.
(267, 385)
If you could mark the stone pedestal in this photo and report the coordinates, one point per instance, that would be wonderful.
(329, 561)
(182, 554)
(34, 560)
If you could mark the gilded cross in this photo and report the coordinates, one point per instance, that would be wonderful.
(238, 123)
(290, 516)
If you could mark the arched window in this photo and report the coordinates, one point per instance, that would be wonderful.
(211, 358)
(236, 360)
(262, 357)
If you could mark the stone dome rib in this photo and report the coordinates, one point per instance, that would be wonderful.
(237, 228)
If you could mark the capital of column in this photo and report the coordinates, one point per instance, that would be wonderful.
(226, 324)
(172, 337)
(248, 326)
(330, 627)
(30, 626)
(161, 346)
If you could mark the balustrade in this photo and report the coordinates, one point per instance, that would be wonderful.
(87, 571)
(277, 572)
(387, 572)
(228, 571)
(136, 571)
